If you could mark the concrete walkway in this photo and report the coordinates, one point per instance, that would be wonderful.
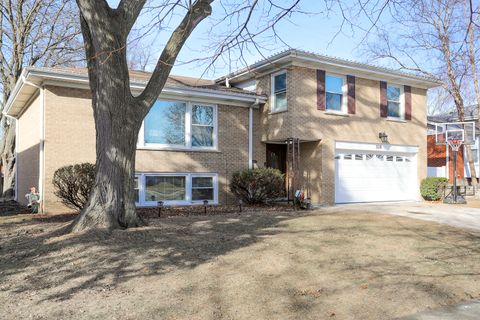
(465, 311)
(453, 215)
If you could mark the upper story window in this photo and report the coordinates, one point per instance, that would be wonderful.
(279, 92)
(178, 124)
(394, 105)
(335, 93)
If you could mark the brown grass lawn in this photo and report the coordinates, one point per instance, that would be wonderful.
(324, 265)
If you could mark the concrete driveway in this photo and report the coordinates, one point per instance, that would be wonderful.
(453, 215)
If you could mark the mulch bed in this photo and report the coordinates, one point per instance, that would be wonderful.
(177, 211)
(197, 210)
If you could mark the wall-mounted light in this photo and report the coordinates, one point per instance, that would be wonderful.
(383, 137)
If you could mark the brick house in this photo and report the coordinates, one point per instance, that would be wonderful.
(439, 162)
(342, 131)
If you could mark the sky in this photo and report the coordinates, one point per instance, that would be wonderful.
(316, 32)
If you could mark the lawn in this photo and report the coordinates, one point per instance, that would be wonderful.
(323, 265)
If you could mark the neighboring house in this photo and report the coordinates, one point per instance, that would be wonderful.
(355, 132)
(440, 161)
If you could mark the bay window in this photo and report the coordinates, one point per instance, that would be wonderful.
(179, 125)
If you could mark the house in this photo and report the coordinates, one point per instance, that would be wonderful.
(440, 161)
(342, 131)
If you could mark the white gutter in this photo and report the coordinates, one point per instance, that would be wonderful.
(333, 62)
(167, 89)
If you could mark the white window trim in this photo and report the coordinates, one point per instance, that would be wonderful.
(344, 106)
(188, 130)
(272, 91)
(402, 102)
(188, 188)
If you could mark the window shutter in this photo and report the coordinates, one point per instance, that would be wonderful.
(383, 99)
(407, 91)
(320, 89)
(351, 94)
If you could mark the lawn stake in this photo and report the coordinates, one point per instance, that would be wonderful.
(160, 205)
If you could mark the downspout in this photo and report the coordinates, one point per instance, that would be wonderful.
(250, 132)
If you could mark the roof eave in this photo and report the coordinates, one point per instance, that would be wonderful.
(295, 56)
(82, 81)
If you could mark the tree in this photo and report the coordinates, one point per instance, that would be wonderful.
(428, 37)
(117, 113)
(32, 32)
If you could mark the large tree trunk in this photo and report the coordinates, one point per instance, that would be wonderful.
(8, 161)
(117, 122)
(112, 202)
(118, 115)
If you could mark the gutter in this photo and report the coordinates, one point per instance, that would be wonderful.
(329, 61)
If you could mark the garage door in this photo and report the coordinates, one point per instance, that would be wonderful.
(369, 173)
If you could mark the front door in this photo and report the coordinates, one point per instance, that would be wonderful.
(277, 157)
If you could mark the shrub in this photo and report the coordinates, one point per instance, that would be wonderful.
(72, 184)
(431, 188)
(258, 185)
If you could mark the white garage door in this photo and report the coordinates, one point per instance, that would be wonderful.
(369, 173)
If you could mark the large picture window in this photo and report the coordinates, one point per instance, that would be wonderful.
(334, 91)
(175, 189)
(279, 92)
(179, 125)
(165, 124)
(164, 188)
(394, 107)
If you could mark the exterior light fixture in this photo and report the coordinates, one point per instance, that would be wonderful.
(160, 206)
(205, 204)
(383, 137)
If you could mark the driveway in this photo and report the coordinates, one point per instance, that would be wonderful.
(454, 215)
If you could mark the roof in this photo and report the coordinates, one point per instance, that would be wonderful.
(314, 60)
(471, 114)
(176, 86)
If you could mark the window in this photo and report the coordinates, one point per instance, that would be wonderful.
(202, 126)
(163, 188)
(165, 124)
(334, 90)
(394, 108)
(279, 92)
(202, 188)
(175, 188)
(181, 125)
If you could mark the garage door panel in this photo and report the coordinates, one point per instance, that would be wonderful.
(368, 177)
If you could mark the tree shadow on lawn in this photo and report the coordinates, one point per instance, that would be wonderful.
(44, 258)
(58, 266)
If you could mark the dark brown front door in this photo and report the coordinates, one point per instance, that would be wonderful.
(277, 157)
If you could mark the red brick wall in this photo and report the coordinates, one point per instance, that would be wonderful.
(437, 155)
